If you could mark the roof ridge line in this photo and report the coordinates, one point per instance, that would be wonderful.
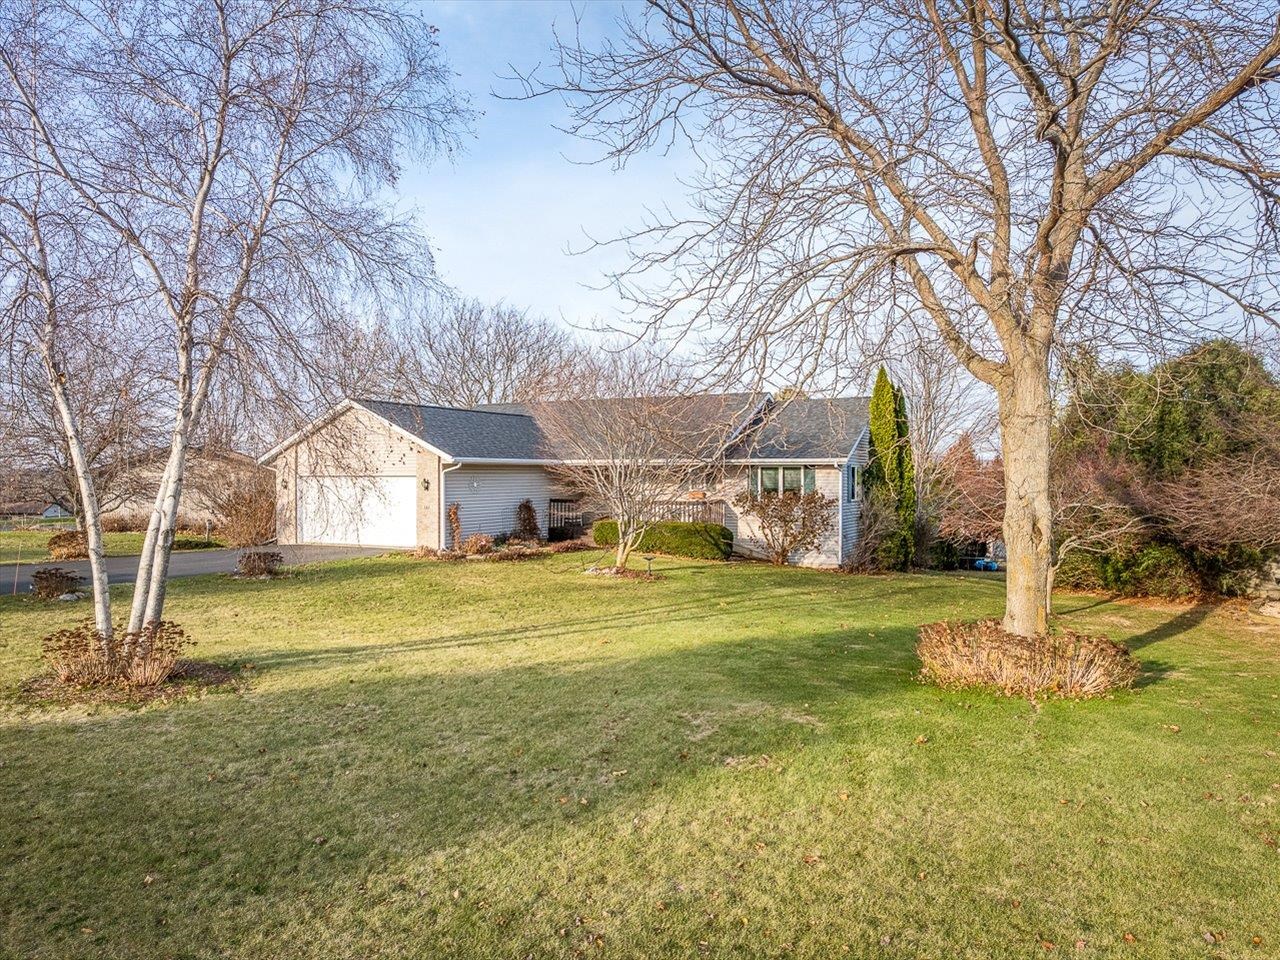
(440, 406)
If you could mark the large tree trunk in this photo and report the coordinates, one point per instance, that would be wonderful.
(1026, 415)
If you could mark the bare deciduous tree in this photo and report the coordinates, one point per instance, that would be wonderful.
(234, 152)
(627, 435)
(115, 399)
(60, 297)
(470, 353)
(1025, 176)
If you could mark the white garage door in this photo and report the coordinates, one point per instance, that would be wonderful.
(370, 511)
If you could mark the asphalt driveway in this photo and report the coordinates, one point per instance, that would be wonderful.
(16, 578)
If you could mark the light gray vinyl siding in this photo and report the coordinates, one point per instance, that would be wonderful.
(488, 496)
(851, 510)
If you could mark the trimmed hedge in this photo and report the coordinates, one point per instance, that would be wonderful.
(701, 541)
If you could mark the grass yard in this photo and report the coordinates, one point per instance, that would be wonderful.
(31, 546)
(514, 760)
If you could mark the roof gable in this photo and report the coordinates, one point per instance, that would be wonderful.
(464, 434)
(804, 428)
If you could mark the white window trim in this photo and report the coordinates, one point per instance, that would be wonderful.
(755, 481)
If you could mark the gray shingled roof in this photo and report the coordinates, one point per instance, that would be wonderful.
(815, 429)
(698, 425)
(465, 434)
(805, 428)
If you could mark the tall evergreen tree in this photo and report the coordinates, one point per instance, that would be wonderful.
(884, 431)
(891, 467)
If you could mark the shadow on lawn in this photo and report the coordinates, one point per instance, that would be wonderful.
(573, 623)
(1175, 626)
(366, 786)
(310, 796)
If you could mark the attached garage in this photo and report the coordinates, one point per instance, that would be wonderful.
(372, 473)
(375, 511)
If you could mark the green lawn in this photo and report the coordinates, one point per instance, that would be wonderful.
(31, 546)
(516, 760)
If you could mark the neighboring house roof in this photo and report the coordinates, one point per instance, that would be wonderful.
(25, 508)
(464, 434)
(747, 426)
(805, 428)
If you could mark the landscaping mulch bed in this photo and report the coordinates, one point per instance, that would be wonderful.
(190, 679)
(512, 552)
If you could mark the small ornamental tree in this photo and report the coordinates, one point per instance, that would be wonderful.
(628, 431)
(788, 521)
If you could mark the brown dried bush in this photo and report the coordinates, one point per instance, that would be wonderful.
(527, 521)
(247, 513)
(124, 523)
(455, 524)
(69, 545)
(477, 544)
(566, 546)
(982, 654)
(49, 583)
(788, 522)
(78, 656)
(259, 563)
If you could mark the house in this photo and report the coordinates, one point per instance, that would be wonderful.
(35, 509)
(379, 473)
(210, 475)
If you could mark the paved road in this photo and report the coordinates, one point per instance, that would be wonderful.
(185, 563)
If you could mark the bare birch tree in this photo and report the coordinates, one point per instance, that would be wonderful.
(1024, 175)
(116, 400)
(235, 150)
(51, 281)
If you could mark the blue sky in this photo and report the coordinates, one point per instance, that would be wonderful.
(504, 214)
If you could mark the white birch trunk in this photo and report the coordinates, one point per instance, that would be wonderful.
(142, 581)
(92, 521)
(168, 527)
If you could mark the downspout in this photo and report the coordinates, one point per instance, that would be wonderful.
(841, 497)
(444, 504)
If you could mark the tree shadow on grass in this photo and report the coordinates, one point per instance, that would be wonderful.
(1175, 626)
(288, 800)
(404, 771)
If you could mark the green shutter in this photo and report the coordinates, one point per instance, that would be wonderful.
(753, 481)
(810, 479)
